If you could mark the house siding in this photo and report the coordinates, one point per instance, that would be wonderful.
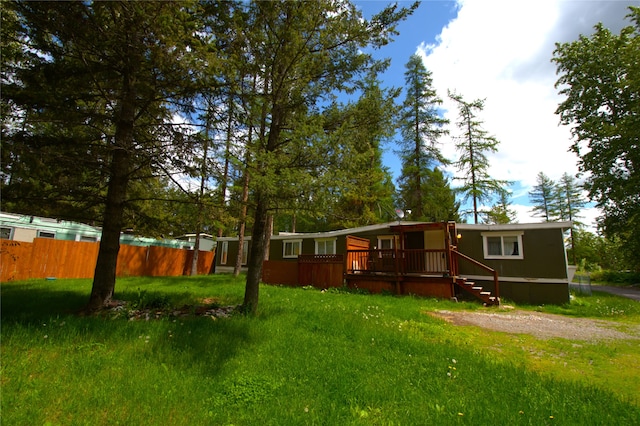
(543, 255)
(539, 278)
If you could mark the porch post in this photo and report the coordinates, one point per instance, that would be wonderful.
(447, 244)
(397, 260)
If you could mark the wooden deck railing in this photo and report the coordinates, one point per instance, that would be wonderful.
(397, 261)
(454, 268)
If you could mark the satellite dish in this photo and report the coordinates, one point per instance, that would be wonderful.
(400, 213)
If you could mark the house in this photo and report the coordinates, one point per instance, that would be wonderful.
(207, 241)
(25, 228)
(525, 263)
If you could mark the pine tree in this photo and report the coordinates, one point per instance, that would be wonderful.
(473, 145)
(570, 201)
(421, 126)
(440, 203)
(544, 198)
(500, 213)
(304, 51)
(569, 198)
(364, 127)
(100, 86)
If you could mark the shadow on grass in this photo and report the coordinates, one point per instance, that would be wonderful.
(191, 342)
(34, 301)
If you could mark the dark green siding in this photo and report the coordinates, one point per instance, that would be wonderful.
(531, 293)
(543, 252)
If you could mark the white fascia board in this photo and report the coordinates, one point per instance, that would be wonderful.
(327, 234)
(514, 226)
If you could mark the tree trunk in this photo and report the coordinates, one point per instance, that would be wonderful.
(196, 250)
(203, 182)
(268, 233)
(245, 199)
(256, 256)
(104, 279)
(243, 221)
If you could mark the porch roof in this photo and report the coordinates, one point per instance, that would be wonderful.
(417, 227)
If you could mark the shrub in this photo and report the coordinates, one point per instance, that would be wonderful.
(616, 277)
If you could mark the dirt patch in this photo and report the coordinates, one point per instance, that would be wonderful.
(208, 308)
(541, 325)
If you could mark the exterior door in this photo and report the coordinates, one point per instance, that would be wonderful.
(414, 255)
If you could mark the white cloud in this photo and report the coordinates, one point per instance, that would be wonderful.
(501, 51)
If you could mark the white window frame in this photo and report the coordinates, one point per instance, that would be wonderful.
(382, 238)
(502, 235)
(224, 252)
(292, 254)
(87, 239)
(10, 229)
(324, 241)
(245, 252)
(50, 234)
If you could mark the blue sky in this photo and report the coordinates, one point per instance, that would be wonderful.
(500, 50)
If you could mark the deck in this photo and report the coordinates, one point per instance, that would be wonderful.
(424, 272)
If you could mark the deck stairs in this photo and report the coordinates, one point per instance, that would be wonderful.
(487, 297)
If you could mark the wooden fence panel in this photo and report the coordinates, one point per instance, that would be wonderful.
(132, 261)
(63, 259)
(71, 259)
(321, 271)
(83, 261)
(15, 260)
(165, 262)
(205, 258)
(280, 272)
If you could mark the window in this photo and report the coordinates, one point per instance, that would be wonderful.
(6, 233)
(507, 245)
(291, 248)
(46, 234)
(385, 242)
(88, 239)
(224, 252)
(326, 246)
(245, 252)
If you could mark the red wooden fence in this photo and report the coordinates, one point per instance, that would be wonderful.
(71, 259)
(320, 271)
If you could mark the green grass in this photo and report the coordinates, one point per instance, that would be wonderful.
(308, 357)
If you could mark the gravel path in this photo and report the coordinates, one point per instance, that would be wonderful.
(543, 326)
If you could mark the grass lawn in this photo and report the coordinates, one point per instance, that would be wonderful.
(308, 357)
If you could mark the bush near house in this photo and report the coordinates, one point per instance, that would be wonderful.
(616, 277)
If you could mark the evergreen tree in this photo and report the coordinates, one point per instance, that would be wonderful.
(473, 145)
(421, 126)
(97, 95)
(570, 201)
(304, 51)
(500, 213)
(544, 198)
(364, 127)
(569, 198)
(440, 203)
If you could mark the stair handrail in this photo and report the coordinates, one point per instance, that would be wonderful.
(483, 266)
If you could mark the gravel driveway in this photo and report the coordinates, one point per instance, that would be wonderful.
(543, 326)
